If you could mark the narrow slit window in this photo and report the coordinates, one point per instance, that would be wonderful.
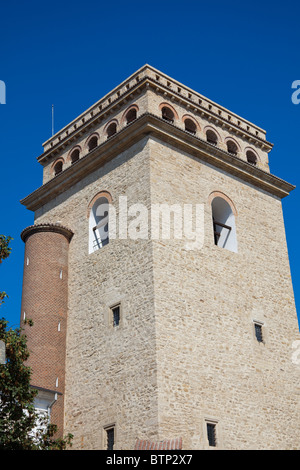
(116, 315)
(258, 332)
(110, 438)
(211, 434)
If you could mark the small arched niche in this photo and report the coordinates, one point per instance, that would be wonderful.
(224, 224)
(131, 115)
(167, 114)
(98, 224)
(251, 157)
(211, 137)
(111, 129)
(58, 167)
(92, 143)
(75, 155)
(232, 147)
(190, 126)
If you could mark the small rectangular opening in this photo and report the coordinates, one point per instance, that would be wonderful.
(110, 438)
(116, 315)
(211, 434)
(258, 332)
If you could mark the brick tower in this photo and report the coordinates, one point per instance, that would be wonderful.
(178, 334)
(45, 296)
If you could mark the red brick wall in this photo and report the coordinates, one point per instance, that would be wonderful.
(45, 301)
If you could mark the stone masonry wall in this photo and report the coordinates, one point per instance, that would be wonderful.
(210, 365)
(110, 371)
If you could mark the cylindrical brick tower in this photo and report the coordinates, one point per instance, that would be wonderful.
(45, 302)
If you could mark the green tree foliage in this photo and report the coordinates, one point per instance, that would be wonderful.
(4, 253)
(21, 428)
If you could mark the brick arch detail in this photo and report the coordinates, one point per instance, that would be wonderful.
(251, 149)
(76, 147)
(223, 196)
(188, 116)
(167, 105)
(213, 129)
(109, 123)
(105, 194)
(132, 106)
(59, 159)
(229, 137)
(94, 134)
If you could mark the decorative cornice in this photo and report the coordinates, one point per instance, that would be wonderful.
(57, 228)
(148, 124)
(146, 77)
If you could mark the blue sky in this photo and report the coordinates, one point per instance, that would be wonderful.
(243, 56)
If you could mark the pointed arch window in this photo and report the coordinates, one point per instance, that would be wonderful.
(98, 224)
(224, 224)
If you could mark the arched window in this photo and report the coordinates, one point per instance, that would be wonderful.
(93, 143)
(131, 115)
(74, 156)
(167, 114)
(224, 224)
(58, 167)
(190, 126)
(98, 224)
(251, 157)
(111, 130)
(211, 137)
(232, 147)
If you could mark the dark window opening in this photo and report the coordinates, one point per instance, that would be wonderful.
(111, 130)
(190, 126)
(93, 142)
(232, 147)
(251, 158)
(110, 439)
(131, 115)
(58, 168)
(167, 114)
(74, 156)
(211, 434)
(116, 315)
(258, 332)
(211, 137)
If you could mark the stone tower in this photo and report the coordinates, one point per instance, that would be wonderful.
(158, 278)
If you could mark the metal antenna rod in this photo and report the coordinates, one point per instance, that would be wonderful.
(52, 119)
